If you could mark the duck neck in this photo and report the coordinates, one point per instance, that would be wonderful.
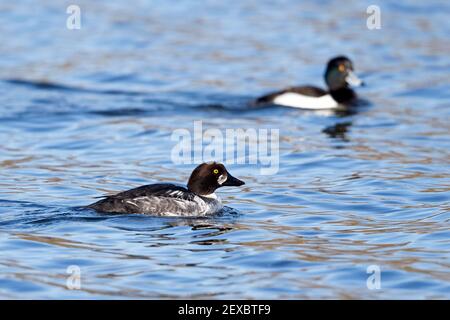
(211, 196)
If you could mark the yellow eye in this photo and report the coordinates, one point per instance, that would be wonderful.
(341, 68)
(216, 171)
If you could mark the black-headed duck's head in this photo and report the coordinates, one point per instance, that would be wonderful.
(207, 177)
(339, 74)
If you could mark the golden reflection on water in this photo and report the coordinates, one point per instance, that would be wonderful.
(353, 189)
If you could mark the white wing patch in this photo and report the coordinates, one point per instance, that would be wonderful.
(295, 100)
(132, 203)
(175, 193)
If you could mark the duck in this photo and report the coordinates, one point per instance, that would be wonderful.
(198, 198)
(339, 77)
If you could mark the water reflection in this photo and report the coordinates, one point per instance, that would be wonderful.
(92, 111)
(338, 131)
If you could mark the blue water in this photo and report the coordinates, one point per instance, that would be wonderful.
(90, 112)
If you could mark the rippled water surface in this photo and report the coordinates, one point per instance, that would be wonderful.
(90, 112)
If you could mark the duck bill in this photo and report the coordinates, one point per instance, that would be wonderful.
(233, 182)
(353, 80)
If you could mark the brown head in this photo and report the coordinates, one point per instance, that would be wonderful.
(208, 177)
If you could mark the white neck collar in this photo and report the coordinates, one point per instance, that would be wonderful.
(211, 196)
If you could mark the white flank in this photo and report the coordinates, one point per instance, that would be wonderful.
(295, 100)
(169, 206)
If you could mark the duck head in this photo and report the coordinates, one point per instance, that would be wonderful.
(339, 74)
(208, 177)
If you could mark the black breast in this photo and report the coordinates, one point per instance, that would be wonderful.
(344, 95)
